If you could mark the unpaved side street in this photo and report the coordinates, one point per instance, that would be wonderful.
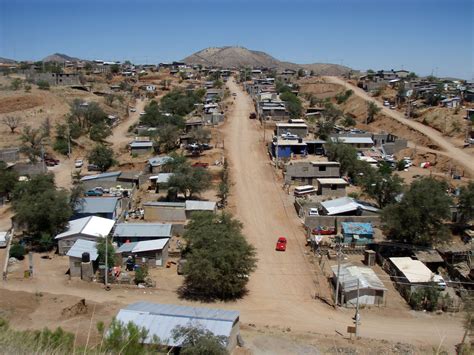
(453, 152)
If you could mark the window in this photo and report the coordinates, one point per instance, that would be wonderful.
(333, 187)
(77, 264)
(322, 168)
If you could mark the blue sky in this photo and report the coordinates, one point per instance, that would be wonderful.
(421, 35)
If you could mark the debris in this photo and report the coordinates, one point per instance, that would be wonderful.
(76, 309)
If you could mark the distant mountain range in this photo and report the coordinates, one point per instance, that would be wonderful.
(242, 57)
(6, 61)
(60, 58)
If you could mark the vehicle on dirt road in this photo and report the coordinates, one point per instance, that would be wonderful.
(91, 193)
(93, 167)
(281, 244)
(253, 116)
(78, 163)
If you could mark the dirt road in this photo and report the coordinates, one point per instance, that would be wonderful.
(452, 151)
(120, 136)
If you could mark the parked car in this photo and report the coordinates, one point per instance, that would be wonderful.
(49, 162)
(313, 212)
(281, 244)
(253, 116)
(393, 107)
(93, 193)
(78, 163)
(206, 146)
(3, 239)
(200, 164)
(93, 167)
(440, 281)
(133, 109)
(386, 103)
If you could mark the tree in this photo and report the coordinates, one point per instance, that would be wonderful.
(31, 142)
(190, 181)
(16, 84)
(344, 154)
(102, 156)
(110, 251)
(372, 110)
(219, 259)
(301, 73)
(419, 217)
(8, 179)
(141, 274)
(168, 138)
(200, 135)
(75, 195)
(43, 85)
(99, 132)
(466, 203)
(196, 340)
(382, 187)
(411, 76)
(61, 140)
(46, 127)
(293, 104)
(115, 68)
(12, 122)
(40, 207)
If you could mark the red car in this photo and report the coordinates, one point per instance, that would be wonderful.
(200, 165)
(281, 244)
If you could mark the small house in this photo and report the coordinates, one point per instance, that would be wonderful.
(357, 233)
(105, 207)
(453, 102)
(346, 206)
(332, 187)
(141, 147)
(410, 274)
(160, 180)
(359, 143)
(286, 148)
(87, 228)
(193, 206)
(305, 172)
(76, 252)
(152, 252)
(299, 129)
(165, 211)
(222, 323)
(360, 280)
(136, 232)
(155, 164)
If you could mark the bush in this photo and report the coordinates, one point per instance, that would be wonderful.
(141, 274)
(61, 146)
(17, 251)
(43, 85)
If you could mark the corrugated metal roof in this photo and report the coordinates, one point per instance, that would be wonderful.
(353, 140)
(158, 161)
(345, 204)
(97, 205)
(101, 176)
(192, 205)
(162, 178)
(165, 204)
(83, 246)
(141, 144)
(142, 230)
(91, 226)
(161, 319)
(349, 274)
(414, 270)
(356, 228)
(146, 245)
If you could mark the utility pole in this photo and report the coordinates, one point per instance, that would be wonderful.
(68, 141)
(357, 316)
(336, 295)
(276, 151)
(42, 156)
(106, 262)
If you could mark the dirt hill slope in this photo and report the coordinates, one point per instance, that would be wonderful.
(60, 58)
(242, 57)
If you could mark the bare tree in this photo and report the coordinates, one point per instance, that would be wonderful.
(12, 122)
(31, 142)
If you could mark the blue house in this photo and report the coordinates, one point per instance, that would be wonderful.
(357, 233)
(287, 147)
(105, 207)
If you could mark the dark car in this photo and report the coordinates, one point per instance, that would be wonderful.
(206, 146)
(93, 167)
(253, 116)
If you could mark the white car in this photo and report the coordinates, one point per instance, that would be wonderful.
(313, 212)
(78, 163)
(133, 109)
(386, 103)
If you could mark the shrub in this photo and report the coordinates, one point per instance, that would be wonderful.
(17, 251)
(43, 85)
(141, 274)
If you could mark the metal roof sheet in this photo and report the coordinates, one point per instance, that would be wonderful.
(91, 226)
(145, 245)
(332, 181)
(162, 178)
(349, 274)
(193, 205)
(97, 205)
(146, 144)
(101, 176)
(414, 270)
(353, 140)
(165, 204)
(142, 230)
(357, 228)
(161, 319)
(345, 204)
(83, 246)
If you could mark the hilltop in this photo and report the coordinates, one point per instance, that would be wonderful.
(60, 58)
(7, 61)
(243, 57)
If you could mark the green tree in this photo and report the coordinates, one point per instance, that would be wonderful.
(466, 203)
(31, 139)
(110, 251)
(301, 73)
(17, 251)
(102, 156)
(412, 76)
(190, 181)
(61, 139)
(43, 85)
(219, 259)
(99, 132)
(420, 215)
(141, 274)
(200, 135)
(115, 68)
(344, 154)
(196, 340)
(8, 179)
(293, 104)
(372, 111)
(168, 138)
(382, 187)
(40, 207)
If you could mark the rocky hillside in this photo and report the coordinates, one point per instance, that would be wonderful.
(243, 57)
(6, 61)
(60, 58)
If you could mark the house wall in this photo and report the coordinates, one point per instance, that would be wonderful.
(65, 244)
(75, 266)
(54, 79)
(327, 190)
(164, 214)
(305, 172)
(367, 296)
(312, 222)
(153, 258)
(232, 340)
(141, 151)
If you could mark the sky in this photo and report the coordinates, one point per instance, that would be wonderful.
(424, 36)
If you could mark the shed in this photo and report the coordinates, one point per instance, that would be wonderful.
(288, 147)
(79, 247)
(346, 206)
(160, 180)
(194, 205)
(357, 142)
(430, 258)
(152, 252)
(88, 228)
(371, 289)
(155, 164)
(332, 186)
(135, 232)
(141, 147)
(161, 319)
(412, 273)
(357, 232)
(165, 211)
(106, 207)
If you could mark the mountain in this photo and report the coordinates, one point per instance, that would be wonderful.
(60, 58)
(7, 61)
(242, 57)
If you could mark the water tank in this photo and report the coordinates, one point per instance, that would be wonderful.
(300, 140)
(86, 257)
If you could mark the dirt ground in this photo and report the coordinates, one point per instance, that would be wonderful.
(280, 313)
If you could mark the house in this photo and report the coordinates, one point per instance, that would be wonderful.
(346, 206)
(75, 254)
(286, 148)
(193, 206)
(152, 252)
(359, 143)
(357, 233)
(332, 186)
(360, 280)
(453, 102)
(136, 232)
(305, 172)
(141, 147)
(106, 207)
(110, 176)
(160, 180)
(315, 146)
(88, 228)
(410, 274)
(159, 320)
(173, 212)
(155, 164)
(300, 129)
